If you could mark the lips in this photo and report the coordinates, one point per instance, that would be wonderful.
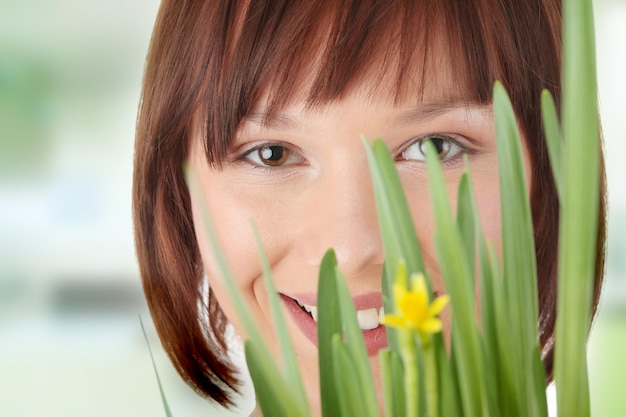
(368, 319)
(305, 317)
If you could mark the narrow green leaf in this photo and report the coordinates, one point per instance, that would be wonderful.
(541, 409)
(233, 291)
(457, 277)
(465, 221)
(501, 388)
(503, 333)
(347, 381)
(258, 349)
(292, 373)
(270, 396)
(386, 380)
(399, 238)
(166, 406)
(385, 356)
(553, 138)
(329, 324)
(579, 210)
(396, 223)
(449, 404)
(397, 373)
(355, 346)
(518, 247)
(468, 222)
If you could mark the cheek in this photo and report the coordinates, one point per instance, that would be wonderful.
(212, 269)
(231, 220)
(234, 236)
(488, 202)
(486, 192)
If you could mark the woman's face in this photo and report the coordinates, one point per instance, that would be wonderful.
(304, 180)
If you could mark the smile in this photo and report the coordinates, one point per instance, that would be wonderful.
(304, 316)
(368, 319)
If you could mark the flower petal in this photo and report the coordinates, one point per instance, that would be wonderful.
(394, 320)
(418, 284)
(399, 291)
(432, 325)
(438, 304)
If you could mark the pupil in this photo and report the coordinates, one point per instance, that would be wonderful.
(442, 146)
(273, 155)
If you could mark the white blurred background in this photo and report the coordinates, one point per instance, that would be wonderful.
(70, 295)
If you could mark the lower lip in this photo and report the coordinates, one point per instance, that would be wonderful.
(375, 339)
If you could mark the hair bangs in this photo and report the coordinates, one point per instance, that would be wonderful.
(317, 52)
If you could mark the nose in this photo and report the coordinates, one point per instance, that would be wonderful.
(342, 215)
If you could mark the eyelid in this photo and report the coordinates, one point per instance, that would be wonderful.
(243, 156)
(453, 138)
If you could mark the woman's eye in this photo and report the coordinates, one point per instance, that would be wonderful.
(272, 155)
(446, 147)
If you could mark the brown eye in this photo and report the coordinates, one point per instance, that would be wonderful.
(446, 148)
(442, 146)
(272, 155)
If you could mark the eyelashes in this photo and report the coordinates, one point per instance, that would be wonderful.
(271, 155)
(274, 155)
(446, 146)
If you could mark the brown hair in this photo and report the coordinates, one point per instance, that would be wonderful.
(211, 60)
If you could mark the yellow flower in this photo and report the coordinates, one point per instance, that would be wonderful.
(414, 312)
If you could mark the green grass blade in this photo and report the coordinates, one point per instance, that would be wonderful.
(386, 380)
(539, 383)
(465, 221)
(502, 392)
(396, 223)
(449, 403)
(227, 277)
(392, 376)
(553, 138)
(518, 249)
(397, 372)
(457, 277)
(291, 370)
(579, 211)
(469, 225)
(329, 324)
(347, 381)
(496, 330)
(267, 385)
(355, 346)
(166, 406)
(397, 229)
(259, 351)
(399, 238)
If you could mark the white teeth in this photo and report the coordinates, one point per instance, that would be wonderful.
(368, 319)
(381, 313)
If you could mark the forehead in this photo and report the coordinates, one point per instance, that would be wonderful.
(322, 53)
(416, 102)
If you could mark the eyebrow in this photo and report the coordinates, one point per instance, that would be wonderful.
(276, 121)
(431, 110)
(421, 113)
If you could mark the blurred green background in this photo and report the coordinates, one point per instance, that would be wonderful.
(70, 341)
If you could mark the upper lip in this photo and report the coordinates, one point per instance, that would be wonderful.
(362, 301)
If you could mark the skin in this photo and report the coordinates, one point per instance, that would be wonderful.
(322, 196)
